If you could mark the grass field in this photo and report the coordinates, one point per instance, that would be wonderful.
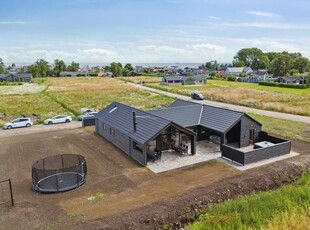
(294, 101)
(99, 92)
(285, 208)
(52, 96)
(140, 79)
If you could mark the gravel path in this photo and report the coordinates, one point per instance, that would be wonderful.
(286, 116)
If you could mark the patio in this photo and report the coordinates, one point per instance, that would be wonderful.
(171, 159)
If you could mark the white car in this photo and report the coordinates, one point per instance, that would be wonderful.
(58, 119)
(19, 122)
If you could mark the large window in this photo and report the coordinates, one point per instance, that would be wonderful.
(137, 146)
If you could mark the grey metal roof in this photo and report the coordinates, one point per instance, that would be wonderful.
(4, 75)
(173, 78)
(120, 117)
(185, 116)
(23, 75)
(187, 113)
(184, 78)
(218, 119)
(20, 75)
(183, 113)
(181, 103)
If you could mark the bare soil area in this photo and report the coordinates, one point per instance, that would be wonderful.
(126, 195)
(117, 182)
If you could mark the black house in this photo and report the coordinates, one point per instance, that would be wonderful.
(143, 134)
(230, 126)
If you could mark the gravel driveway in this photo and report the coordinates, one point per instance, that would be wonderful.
(39, 129)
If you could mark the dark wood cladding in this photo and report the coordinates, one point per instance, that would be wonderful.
(256, 155)
(88, 122)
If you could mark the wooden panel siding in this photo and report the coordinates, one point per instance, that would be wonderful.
(248, 124)
(255, 155)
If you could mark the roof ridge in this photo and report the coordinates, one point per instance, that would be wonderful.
(224, 109)
(173, 107)
(201, 111)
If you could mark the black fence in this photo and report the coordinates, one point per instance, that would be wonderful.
(279, 147)
(59, 173)
(88, 122)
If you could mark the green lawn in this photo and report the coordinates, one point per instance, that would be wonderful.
(285, 208)
(284, 128)
(17, 105)
(223, 83)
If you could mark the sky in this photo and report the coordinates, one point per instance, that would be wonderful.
(150, 31)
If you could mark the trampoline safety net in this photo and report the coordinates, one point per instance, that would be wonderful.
(59, 173)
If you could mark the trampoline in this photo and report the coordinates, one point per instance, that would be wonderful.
(59, 173)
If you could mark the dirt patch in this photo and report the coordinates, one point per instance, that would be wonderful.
(127, 195)
(179, 211)
(119, 182)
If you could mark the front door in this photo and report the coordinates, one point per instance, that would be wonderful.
(251, 136)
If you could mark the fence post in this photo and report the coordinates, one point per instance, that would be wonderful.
(11, 192)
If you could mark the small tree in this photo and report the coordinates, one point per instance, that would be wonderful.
(294, 72)
(239, 64)
(231, 78)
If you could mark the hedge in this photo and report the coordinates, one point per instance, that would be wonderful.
(277, 84)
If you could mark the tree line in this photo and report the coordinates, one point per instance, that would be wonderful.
(277, 63)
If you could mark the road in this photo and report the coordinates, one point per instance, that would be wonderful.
(39, 129)
(286, 116)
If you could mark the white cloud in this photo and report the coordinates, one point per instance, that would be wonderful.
(160, 48)
(265, 25)
(214, 18)
(264, 14)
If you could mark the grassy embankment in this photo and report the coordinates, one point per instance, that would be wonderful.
(288, 100)
(285, 208)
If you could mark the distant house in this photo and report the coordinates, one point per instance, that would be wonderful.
(19, 77)
(183, 80)
(251, 79)
(108, 74)
(261, 72)
(68, 74)
(237, 70)
(221, 74)
(290, 80)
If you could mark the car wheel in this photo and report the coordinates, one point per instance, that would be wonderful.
(9, 127)
(50, 123)
(28, 125)
(67, 121)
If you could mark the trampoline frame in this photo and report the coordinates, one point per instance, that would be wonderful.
(80, 172)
